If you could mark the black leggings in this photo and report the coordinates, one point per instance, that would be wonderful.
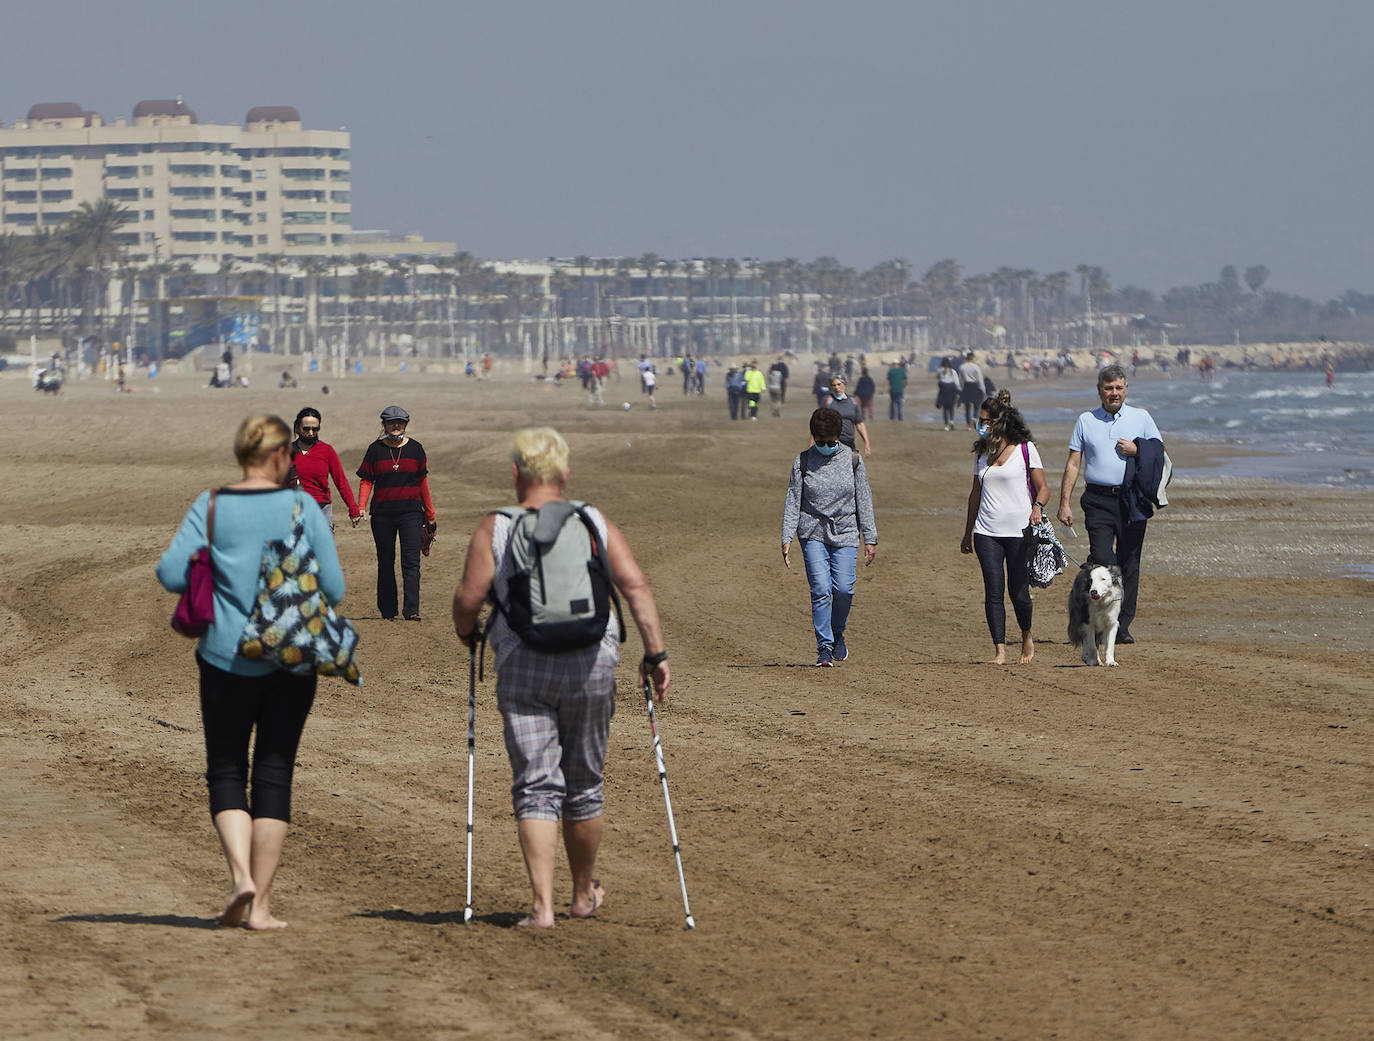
(230, 707)
(993, 554)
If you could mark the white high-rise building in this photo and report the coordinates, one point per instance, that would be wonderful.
(195, 191)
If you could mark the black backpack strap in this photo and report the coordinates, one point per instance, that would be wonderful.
(513, 514)
(599, 547)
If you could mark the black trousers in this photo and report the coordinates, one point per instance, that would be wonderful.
(1113, 540)
(387, 528)
(994, 554)
(231, 707)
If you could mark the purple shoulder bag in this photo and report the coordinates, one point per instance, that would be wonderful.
(195, 610)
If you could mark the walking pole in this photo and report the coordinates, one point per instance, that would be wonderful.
(668, 802)
(472, 718)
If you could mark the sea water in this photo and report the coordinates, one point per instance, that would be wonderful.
(1291, 425)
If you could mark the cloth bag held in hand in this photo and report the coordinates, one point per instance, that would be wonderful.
(195, 611)
(1045, 560)
(292, 624)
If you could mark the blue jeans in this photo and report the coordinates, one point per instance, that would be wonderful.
(830, 571)
(894, 405)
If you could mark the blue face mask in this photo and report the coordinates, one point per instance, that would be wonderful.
(982, 429)
(827, 449)
(838, 395)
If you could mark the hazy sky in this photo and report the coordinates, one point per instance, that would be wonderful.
(1159, 139)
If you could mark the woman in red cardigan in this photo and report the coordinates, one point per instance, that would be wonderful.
(316, 464)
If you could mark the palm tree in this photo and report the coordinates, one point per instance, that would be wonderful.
(275, 261)
(92, 234)
(649, 262)
(731, 267)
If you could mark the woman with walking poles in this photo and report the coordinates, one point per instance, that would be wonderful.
(555, 665)
(237, 695)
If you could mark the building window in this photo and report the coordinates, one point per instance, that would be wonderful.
(55, 151)
(262, 218)
(341, 217)
(302, 173)
(56, 218)
(149, 236)
(306, 239)
(21, 218)
(21, 175)
(192, 193)
(193, 236)
(260, 196)
(56, 173)
(57, 195)
(21, 196)
(302, 217)
(339, 196)
(191, 169)
(193, 215)
(147, 171)
(338, 175)
(259, 175)
(122, 194)
(122, 172)
(147, 193)
(147, 214)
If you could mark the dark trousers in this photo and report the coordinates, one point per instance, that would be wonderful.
(995, 555)
(753, 405)
(734, 397)
(386, 528)
(231, 706)
(1112, 540)
(894, 405)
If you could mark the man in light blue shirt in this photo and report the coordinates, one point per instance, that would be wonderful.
(1101, 442)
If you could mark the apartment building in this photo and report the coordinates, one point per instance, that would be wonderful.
(195, 191)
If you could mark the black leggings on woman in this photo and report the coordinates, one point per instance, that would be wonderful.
(230, 707)
(993, 554)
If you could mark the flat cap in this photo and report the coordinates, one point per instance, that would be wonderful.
(394, 412)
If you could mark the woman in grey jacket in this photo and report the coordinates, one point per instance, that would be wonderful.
(829, 507)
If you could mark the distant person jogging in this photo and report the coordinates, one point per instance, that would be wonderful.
(556, 705)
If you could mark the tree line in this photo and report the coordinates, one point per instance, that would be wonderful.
(58, 280)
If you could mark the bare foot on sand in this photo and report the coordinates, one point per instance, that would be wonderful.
(582, 909)
(530, 922)
(1027, 650)
(263, 924)
(237, 906)
(1000, 658)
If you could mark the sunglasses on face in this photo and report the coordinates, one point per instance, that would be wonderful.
(310, 430)
(829, 444)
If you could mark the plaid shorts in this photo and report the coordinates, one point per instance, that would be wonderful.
(557, 712)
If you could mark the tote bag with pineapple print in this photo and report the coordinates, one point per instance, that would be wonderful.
(292, 625)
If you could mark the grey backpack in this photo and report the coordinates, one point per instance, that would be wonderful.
(559, 590)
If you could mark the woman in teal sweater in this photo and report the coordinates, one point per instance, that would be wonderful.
(238, 696)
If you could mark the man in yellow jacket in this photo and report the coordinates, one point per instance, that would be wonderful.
(754, 386)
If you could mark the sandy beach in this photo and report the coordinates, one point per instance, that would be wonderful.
(913, 845)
